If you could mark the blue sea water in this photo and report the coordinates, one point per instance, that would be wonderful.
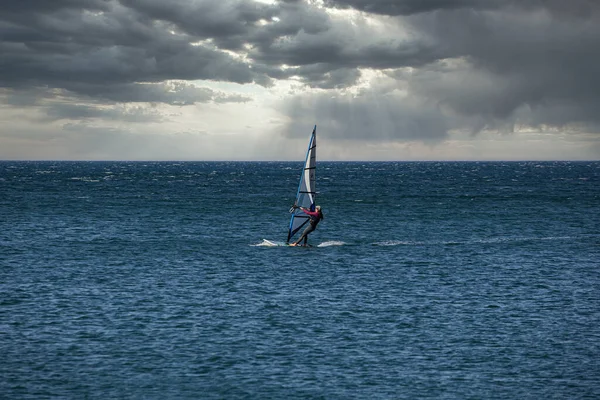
(151, 280)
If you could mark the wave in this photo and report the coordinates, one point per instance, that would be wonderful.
(514, 239)
(268, 243)
(397, 243)
(390, 243)
(331, 243)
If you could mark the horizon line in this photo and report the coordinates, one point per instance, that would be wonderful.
(300, 161)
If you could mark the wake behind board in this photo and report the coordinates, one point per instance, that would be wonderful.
(270, 243)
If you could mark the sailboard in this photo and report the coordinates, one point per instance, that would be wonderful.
(305, 197)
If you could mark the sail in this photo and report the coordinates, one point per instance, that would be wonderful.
(306, 188)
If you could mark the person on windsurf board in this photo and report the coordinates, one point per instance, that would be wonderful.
(315, 217)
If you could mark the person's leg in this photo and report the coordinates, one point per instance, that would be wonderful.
(304, 235)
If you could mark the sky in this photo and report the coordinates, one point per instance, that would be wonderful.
(247, 79)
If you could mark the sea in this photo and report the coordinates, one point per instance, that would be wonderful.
(425, 280)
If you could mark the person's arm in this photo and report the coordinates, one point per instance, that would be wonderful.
(310, 213)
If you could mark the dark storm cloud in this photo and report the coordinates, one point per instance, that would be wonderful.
(42, 6)
(115, 42)
(410, 7)
(228, 23)
(71, 45)
(537, 59)
(511, 62)
(76, 45)
(478, 64)
(62, 62)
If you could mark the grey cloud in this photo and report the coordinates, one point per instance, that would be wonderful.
(320, 59)
(406, 7)
(35, 6)
(174, 93)
(411, 7)
(114, 103)
(500, 68)
(233, 24)
(512, 62)
(373, 116)
(135, 114)
(227, 22)
(323, 77)
(119, 64)
(67, 45)
(508, 62)
(520, 55)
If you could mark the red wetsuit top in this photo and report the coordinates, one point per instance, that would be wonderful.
(315, 216)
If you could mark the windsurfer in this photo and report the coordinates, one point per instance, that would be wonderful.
(315, 217)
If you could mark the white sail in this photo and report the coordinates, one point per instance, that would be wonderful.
(306, 188)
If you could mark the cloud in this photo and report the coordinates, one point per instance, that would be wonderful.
(507, 60)
(398, 71)
(411, 7)
(42, 6)
(489, 65)
(71, 44)
(369, 116)
(84, 112)
(168, 92)
(343, 45)
(228, 23)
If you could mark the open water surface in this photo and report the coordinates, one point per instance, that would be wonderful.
(425, 280)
